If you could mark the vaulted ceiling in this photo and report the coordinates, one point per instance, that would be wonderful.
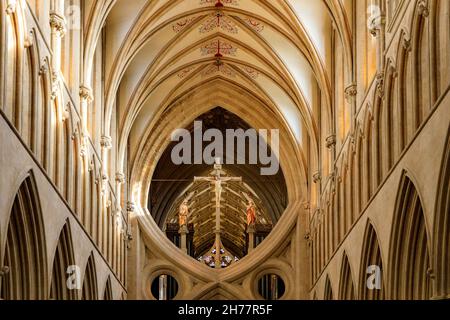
(161, 55)
(158, 51)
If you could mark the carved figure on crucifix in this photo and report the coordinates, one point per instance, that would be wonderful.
(217, 180)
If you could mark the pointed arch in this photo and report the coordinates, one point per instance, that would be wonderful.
(25, 253)
(370, 256)
(403, 91)
(64, 258)
(409, 253)
(108, 295)
(421, 53)
(384, 117)
(346, 285)
(328, 292)
(442, 27)
(367, 163)
(358, 174)
(442, 230)
(89, 291)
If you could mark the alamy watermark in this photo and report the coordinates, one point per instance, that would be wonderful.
(374, 281)
(375, 17)
(74, 278)
(73, 17)
(190, 148)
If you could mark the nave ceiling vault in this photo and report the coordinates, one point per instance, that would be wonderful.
(271, 59)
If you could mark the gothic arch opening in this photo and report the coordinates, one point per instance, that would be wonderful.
(409, 253)
(173, 184)
(89, 290)
(346, 286)
(64, 258)
(108, 295)
(371, 279)
(25, 254)
(328, 292)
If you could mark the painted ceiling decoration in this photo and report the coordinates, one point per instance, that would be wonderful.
(220, 3)
(183, 24)
(219, 20)
(219, 48)
(185, 72)
(256, 25)
(219, 67)
(252, 73)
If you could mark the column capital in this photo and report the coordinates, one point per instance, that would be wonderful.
(131, 207)
(4, 271)
(377, 24)
(317, 177)
(86, 93)
(350, 92)
(380, 84)
(11, 6)
(106, 142)
(423, 9)
(306, 206)
(330, 141)
(120, 178)
(58, 23)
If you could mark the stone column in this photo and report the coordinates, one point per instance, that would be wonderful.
(86, 98)
(58, 30)
(163, 287)
(3, 273)
(350, 96)
(120, 180)
(184, 231)
(106, 145)
(377, 30)
(251, 230)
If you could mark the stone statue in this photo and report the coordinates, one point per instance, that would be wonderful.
(251, 213)
(183, 214)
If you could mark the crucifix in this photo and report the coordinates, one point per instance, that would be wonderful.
(217, 179)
